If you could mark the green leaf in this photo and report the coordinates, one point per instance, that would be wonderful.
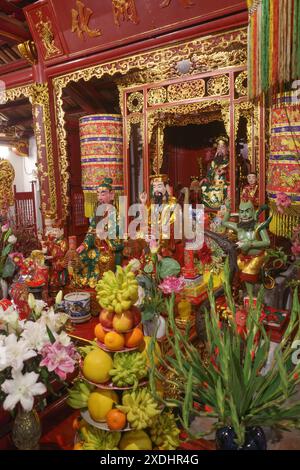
(9, 268)
(168, 267)
(50, 334)
(7, 250)
(188, 400)
(7, 235)
(149, 268)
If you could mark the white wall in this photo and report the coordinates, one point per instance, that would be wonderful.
(25, 172)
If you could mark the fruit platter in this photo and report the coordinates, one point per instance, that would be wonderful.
(117, 408)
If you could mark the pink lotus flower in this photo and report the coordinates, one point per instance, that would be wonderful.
(282, 201)
(296, 248)
(4, 228)
(154, 246)
(59, 359)
(172, 284)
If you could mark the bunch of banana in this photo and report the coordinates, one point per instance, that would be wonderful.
(128, 369)
(164, 432)
(79, 394)
(85, 350)
(117, 292)
(139, 407)
(96, 439)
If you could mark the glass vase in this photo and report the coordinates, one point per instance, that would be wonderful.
(255, 439)
(26, 431)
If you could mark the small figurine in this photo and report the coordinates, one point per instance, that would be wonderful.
(250, 192)
(72, 262)
(55, 247)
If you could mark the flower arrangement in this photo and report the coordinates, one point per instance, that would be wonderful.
(33, 354)
(237, 385)
(157, 277)
(282, 201)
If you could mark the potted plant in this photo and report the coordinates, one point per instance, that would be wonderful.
(233, 386)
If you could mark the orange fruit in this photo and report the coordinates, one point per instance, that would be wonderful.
(99, 332)
(114, 341)
(116, 420)
(77, 422)
(134, 338)
(78, 446)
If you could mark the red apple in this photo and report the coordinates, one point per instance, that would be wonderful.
(137, 317)
(123, 322)
(106, 318)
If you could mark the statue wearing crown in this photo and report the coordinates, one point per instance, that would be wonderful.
(161, 211)
(214, 186)
(98, 253)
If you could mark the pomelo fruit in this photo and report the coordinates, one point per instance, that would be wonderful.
(96, 366)
(135, 440)
(100, 403)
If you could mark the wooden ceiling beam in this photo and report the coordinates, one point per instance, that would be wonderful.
(13, 29)
(11, 9)
(25, 122)
(76, 96)
(97, 96)
(11, 105)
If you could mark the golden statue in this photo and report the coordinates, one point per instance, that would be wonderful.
(7, 176)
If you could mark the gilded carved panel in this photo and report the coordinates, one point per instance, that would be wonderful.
(204, 54)
(38, 95)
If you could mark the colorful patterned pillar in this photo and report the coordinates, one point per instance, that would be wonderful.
(101, 141)
(284, 163)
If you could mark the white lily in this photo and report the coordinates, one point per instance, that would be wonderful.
(58, 298)
(54, 321)
(31, 301)
(22, 389)
(9, 320)
(141, 294)
(12, 239)
(14, 352)
(35, 335)
(63, 338)
(40, 305)
(134, 264)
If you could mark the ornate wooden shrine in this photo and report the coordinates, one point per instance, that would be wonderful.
(167, 72)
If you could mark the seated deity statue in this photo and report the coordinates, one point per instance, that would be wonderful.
(96, 253)
(214, 186)
(162, 209)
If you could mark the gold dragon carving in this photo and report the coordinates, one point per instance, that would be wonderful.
(80, 21)
(124, 10)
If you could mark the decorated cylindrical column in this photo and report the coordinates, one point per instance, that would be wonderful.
(101, 141)
(283, 185)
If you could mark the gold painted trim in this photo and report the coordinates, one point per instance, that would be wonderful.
(38, 95)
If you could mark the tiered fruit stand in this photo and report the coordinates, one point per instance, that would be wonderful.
(130, 418)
